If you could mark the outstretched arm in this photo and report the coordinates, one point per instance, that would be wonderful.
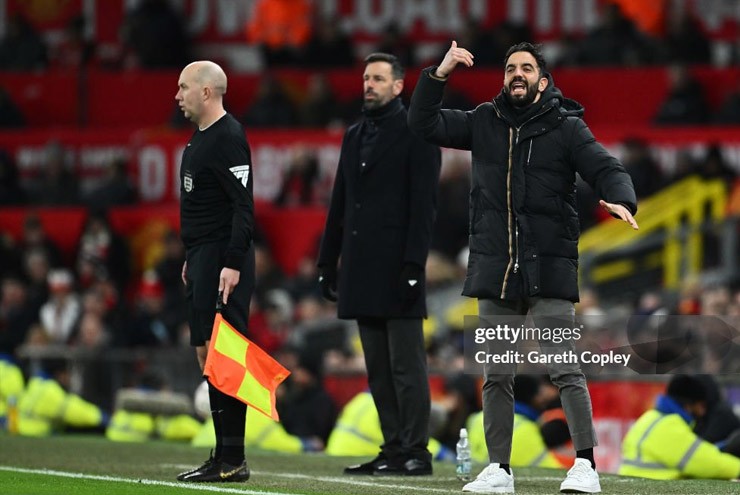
(444, 127)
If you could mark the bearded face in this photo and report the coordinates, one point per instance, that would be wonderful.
(523, 81)
(520, 92)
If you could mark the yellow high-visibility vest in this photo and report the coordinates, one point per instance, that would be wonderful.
(663, 447)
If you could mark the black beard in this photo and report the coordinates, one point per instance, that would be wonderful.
(523, 101)
(371, 105)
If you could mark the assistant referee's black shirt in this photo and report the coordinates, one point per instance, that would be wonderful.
(216, 202)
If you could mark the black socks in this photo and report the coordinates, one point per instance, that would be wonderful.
(229, 420)
(587, 454)
(506, 468)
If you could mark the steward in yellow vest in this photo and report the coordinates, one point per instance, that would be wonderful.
(11, 388)
(661, 444)
(358, 433)
(45, 407)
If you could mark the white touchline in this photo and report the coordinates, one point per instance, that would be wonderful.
(206, 488)
(353, 481)
(332, 479)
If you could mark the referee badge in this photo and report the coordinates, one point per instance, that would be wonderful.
(187, 182)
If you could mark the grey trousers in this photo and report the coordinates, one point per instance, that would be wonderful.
(498, 388)
(396, 364)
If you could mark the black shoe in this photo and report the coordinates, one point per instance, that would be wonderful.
(412, 467)
(219, 472)
(417, 467)
(367, 468)
(203, 468)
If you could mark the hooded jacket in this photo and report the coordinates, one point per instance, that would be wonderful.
(523, 221)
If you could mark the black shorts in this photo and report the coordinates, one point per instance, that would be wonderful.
(205, 263)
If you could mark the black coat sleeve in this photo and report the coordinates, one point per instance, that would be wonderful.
(235, 153)
(426, 118)
(600, 169)
(331, 242)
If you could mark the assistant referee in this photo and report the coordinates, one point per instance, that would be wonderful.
(216, 220)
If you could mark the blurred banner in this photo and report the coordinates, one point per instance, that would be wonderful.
(222, 21)
(153, 155)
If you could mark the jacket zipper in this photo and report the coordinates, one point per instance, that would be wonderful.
(510, 211)
(513, 265)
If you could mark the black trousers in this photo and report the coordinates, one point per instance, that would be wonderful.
(205, 263)
(397, 374)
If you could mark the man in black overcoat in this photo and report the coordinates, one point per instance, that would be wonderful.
(380, 224)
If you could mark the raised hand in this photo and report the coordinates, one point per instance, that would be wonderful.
(455, 55)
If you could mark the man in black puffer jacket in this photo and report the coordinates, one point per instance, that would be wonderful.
(527, 145)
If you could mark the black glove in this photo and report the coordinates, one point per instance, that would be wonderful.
(411, 279)
(328, 283)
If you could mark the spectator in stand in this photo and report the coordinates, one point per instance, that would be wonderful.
(716, 167)
(306, 409)
(720, 421)
(684, 42)
(616, 41)
(75, 50)
(728, 112)
(685, 103)
(300, 181)
(647, 176)
(303, 283)
(10, 256)
(481, 42)
(394, 41)
(271, 107)
(281, 28)
(22, 48)
(61, 312)
(329, 46)
(319, 108)
(169, 270)
(11, 193)
(155, 36)
(147, 327)
(10, 115)
(36, 267)
(268, 274)
(684, 166)
(104, 251)
(35, 238)
(16, 315)
(57, 184)
(115, 188)
(270, 319)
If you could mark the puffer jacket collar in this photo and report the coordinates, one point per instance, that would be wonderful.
(546, 114)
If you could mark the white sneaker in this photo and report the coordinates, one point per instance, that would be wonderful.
(581, 478)
(492, 479)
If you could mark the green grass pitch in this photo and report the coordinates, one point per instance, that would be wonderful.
(92, 465)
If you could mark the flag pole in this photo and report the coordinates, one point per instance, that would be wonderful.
(220, 302)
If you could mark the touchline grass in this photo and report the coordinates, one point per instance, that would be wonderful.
(92, 465)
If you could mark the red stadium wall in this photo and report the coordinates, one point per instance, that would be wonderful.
(612, 97)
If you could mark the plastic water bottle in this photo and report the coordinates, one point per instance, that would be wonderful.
(463, 456)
